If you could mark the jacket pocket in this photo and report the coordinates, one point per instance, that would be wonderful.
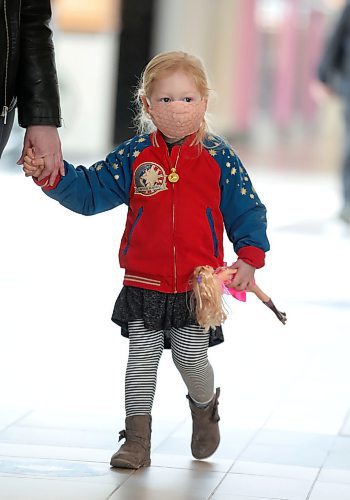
(212, 229)
(139, 213)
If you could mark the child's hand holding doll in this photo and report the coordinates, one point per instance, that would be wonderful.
(244, 277)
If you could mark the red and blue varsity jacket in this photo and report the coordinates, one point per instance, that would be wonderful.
(171, 227)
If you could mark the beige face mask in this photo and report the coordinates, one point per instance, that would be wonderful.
(178, 119)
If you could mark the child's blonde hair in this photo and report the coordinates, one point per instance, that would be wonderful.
(170, 62)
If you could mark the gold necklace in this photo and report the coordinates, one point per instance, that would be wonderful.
(174, 176)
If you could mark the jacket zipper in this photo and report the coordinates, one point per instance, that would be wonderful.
(174, 249)
(5, 107)
(173, 218)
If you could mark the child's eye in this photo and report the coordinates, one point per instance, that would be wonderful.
(187, 99)
(165, 99)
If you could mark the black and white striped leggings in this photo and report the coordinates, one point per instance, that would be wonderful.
(189, 346)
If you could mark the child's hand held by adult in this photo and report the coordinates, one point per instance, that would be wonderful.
(32, 167)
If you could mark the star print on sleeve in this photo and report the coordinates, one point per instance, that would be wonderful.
(243, 213)
(245, 186)
(233, 168)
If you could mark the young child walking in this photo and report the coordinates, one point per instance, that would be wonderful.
(182, 186)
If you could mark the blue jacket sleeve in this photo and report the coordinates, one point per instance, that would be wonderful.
(243, 213)
(101, 187)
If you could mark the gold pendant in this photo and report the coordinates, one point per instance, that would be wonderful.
(173, 176)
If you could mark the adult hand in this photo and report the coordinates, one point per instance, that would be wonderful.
(45, 141)
(244, 277)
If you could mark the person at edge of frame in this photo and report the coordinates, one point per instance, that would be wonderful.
(28, 80)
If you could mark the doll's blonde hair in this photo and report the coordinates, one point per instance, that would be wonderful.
(206, 300)
(170, 62)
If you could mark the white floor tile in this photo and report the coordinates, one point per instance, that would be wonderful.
(55, 452)
(288, 438)
(156, 483)
(229, 496)
(334, 476)
(338, 460)
(345, 431)
(59, 437)
(72, 420)
(43, 489)
(175, 461)
(9, 414)
(275, 470)
(286, 455)
(330, 491)
(269, 487)
(62, 470)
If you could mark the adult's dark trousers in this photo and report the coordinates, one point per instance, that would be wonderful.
(346, 158)
(5, 129)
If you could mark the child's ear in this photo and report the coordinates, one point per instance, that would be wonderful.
(206, 103)
(145, 103)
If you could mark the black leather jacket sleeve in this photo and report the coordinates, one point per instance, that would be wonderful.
(36, 83)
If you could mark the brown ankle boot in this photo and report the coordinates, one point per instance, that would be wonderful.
(135, 452)
(205, 433)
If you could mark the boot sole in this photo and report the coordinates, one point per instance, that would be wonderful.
(206, 456)
(121, 464)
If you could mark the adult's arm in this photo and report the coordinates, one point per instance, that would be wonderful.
(37, 86)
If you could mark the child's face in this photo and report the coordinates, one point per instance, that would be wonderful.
(175, 86)
(175, 105)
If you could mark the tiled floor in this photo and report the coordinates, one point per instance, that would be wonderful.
(285, 402)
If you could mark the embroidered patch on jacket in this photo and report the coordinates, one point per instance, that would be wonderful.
(149, 179)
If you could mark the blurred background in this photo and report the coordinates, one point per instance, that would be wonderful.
(261, 56)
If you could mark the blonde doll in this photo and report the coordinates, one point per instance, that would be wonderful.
(209, 285)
